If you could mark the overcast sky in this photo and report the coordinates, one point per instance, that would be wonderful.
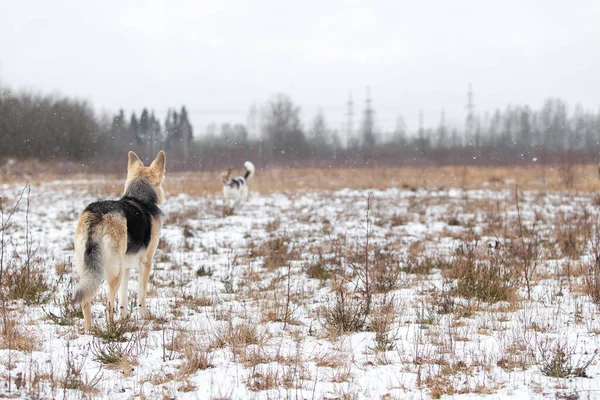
(220, 57)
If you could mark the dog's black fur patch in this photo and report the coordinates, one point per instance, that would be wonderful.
(237, 182)
(138, 206)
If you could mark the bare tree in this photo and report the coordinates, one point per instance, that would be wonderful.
(283, 129)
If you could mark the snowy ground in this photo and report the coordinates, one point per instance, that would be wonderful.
(252, 305)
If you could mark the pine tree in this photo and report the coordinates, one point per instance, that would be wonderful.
(185, 132)
(134, 131)
(155, 134)
(119, 119)
(145, 125)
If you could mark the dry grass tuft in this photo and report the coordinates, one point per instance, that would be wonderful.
(195, 358)
(237, 336)
(263, 379)
(382, 319)
(16, 337)
(385, 271)
(27, 283)
(317, 268)
(115, 355)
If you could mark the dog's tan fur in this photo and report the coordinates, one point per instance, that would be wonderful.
(225, 175)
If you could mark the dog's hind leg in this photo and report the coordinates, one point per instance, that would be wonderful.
(86, 307)
(123, 310)
(113, 287)
(145, 266)
(113, 266)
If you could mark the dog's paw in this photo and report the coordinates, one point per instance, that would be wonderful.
(145, 313)
(123, 314)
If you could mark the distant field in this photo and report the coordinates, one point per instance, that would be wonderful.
(340, 284)
(553, 177)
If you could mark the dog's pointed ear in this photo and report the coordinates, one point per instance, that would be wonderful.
(158, 165)
(134, 161)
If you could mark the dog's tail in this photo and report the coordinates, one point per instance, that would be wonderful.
(249, 170)
(89, 266)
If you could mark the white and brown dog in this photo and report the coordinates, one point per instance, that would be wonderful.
(235, 189)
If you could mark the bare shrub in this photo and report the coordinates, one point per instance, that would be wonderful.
(347, 313)
(359, 260)
(21, 276)
(484, 275)
(68, 313)
(525, 250)
(74, 378)
(556, 361)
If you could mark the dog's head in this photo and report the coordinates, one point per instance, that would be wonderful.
(153, 175)
(225, 176)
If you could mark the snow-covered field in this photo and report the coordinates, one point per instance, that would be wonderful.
(301, 295)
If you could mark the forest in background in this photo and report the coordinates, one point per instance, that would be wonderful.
(59, 128)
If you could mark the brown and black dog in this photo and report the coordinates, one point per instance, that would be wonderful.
(113, 236)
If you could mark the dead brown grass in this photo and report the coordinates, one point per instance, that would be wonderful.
(267, 181)
(263, 379)
(237, 337)
(14, 336)
(196, 183)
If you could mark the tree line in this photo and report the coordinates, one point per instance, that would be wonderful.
(54, 127)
